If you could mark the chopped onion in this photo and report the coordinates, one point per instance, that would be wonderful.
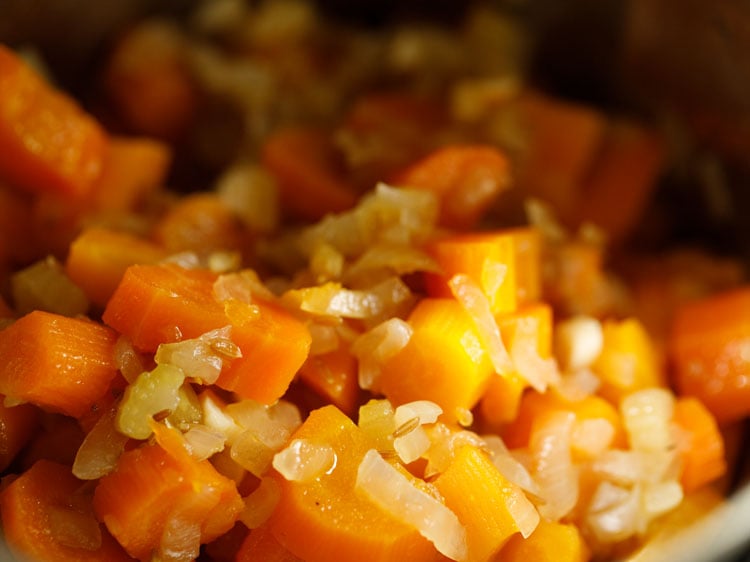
(129, 362)
(201, 358)
(302, 460)
(204, 442)
(591, 437)
(614, 513)
(392, 491)
(251, 193)
(578, 342)
(624, 468)
(476, 304)
(217, 419)
(647, 416)
(510, 467)
(266, 432)
(554, 471)
(326, 263)
(425, 411)
(378, 345)
(528, 363)
(242, 286)
(577, 385)
(260, 503)
(153, 392)
(100, 450)
(377, 421)
(387, 260)
(411, 445)
(325, 338)
(659, 498)
(181, 538)
(445, 441)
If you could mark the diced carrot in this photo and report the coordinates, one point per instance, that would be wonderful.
(701, 445)
(488, 259)
(58, 363)
(274, 346)
(202, 223)
(159, 497)
(261, 546)
(17, 242)
(98, 258)
(484, 501)
(49, 144)
(47, 515)
(527, 243)
(133, 167)
(561, 142)
(148, 80)
(325, 519)
(466, 178)
(333, 375)
(443, 361)
(502, 399)
(628, 361)
(57, 439)
(534, 404)
(310, 176)
(614, 200)
(396, 128)
(707, 351)
(157, 304)
(550, 542)
(17, 424)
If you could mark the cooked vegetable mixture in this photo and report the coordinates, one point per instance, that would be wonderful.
(280, 289)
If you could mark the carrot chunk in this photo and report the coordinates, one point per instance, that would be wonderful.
(98, 258)
(486, 503)
(261, 546)
(47, 515)
(701, 445)
(133, 167)
(49, 144)
(333, 375)
(628, 361)
(157, 304)
(488, 259)
(614, 200)
(561, 144)
(58, 363)
(325, 518)
(310, 176)
(467, 179)
(707, 351)
(160, 498)
(443, 362)
(550, 542)
(17, 424)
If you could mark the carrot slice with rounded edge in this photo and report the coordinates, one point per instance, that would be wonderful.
(58, 363)
(325, 518)
(48, 516)
(48, 143)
